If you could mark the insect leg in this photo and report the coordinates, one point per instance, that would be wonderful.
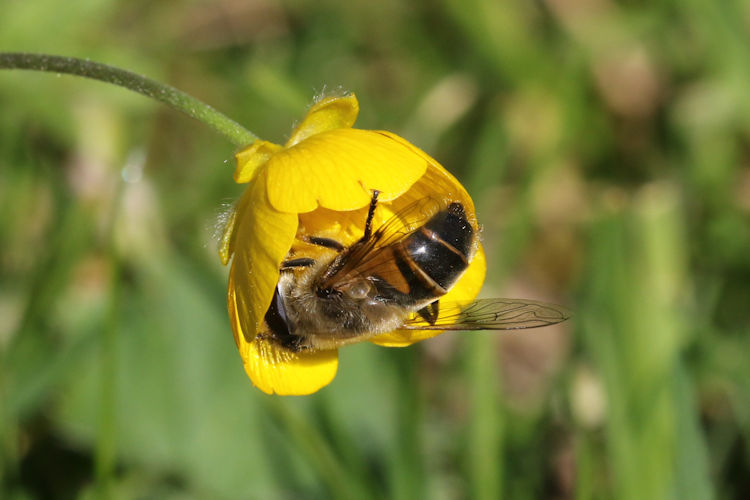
(325, 242)
(300, 262)
(370, 215)
(430, 312)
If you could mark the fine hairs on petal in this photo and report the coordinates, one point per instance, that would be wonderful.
(339, 91)
(318, 96)
(223, 215)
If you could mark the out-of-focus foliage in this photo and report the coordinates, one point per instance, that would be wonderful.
(607, 145)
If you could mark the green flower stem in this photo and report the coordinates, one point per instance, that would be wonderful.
(137, 83)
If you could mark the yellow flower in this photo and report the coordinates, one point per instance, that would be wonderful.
(320, 183)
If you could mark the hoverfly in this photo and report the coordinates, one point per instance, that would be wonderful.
(392, 278)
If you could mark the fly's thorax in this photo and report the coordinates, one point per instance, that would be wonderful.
(347, 311)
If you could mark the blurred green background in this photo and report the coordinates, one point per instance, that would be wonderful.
(607, 145)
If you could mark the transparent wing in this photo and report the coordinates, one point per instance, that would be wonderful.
(368, 258)
(404, 222)
(492, 314)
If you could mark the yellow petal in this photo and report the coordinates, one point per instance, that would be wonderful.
(348, 227)
(275, 370)
(339, 169)
(226, 245)
(465, 290)
(263, 238)
(249, 159)
(438, 183)
(344, 227)
(327, 114)
(229, 235)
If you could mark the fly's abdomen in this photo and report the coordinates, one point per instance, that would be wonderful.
(434, 256)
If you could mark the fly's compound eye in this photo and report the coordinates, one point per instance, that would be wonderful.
(358, 290)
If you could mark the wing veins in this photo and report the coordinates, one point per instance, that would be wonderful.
(494, 314)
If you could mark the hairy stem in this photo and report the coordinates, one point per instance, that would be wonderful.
(137, 83)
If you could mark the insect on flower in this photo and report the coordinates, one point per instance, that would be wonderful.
(346, 235)
(391, 278)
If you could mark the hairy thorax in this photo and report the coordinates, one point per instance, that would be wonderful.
(328, 320)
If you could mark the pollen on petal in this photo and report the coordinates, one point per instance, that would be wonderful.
(339, 170)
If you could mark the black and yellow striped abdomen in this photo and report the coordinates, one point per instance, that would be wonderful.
(432, 258)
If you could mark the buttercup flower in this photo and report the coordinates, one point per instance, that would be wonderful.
(320, 183)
